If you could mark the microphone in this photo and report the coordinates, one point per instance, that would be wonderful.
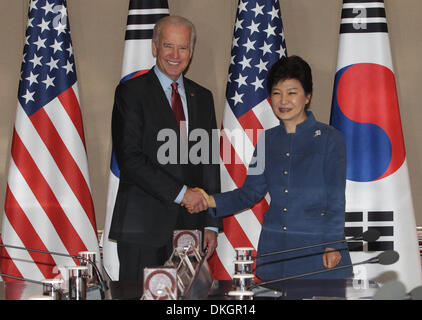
(103, 285)
(37, 282)
(394, 290)
(370, 235)
(416, 293)
(384, 258)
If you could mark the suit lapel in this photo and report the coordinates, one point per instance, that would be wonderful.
(191, 104)
(161, 103)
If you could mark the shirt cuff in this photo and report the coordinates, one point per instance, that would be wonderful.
(212, 229)
(182, 192)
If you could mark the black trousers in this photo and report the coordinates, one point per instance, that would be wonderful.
(133, 258)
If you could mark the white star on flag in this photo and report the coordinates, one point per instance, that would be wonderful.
(48, 82)
(253, 27)
(56, 46)
(32, 78)
(241, 80)
(52, 64)
(261, 65)
(245, 62)
(249, 45)
(29, 96)
(36, 61)
(48, 8)
(258, 10)
(237, 98)
(40, 43)
(44, 25)
(68, 67)
(258, 83)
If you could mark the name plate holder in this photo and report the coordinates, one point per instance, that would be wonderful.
(194, 279)
(160, 284)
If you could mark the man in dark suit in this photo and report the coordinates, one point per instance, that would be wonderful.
(152, 194)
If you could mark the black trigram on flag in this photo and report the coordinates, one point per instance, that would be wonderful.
(379, 220)
(143, 14)
(363, 16)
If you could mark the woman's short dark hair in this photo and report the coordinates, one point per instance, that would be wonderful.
(293, 67)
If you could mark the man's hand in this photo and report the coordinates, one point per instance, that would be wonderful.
(210, 242)
(194, 201)
(210, 199)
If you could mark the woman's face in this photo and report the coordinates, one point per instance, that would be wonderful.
(288, 100)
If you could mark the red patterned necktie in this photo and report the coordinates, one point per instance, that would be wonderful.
(176, 105)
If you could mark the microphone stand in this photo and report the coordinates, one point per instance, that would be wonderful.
(369, 236)
(307, 274)
(103, 285)
(385, 258)
(296, 249)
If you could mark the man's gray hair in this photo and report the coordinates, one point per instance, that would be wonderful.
(174, 20)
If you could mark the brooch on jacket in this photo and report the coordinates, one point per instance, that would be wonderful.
(317, 133)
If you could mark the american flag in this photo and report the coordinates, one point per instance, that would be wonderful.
(48, 202)
(137, 59)
(258, 42)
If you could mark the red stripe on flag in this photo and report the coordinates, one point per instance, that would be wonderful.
(64, 160)
(217, 269)
(234, 165)
(7, 266)
(45, 196)
(259, 209)
(70, 103)
(28, 235)
(137, 74)
(237, 238)
(251, 124)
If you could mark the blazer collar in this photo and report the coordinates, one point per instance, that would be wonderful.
(305, 125)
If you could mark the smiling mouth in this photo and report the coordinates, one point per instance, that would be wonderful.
(284, 110)
(173, 63)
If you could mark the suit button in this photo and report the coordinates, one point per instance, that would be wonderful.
(286, 191)
(287, 154)
(322, 214)
(284, 209)
(285, 172)
(284, 228)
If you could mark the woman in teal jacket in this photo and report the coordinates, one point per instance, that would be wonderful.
(305, 167)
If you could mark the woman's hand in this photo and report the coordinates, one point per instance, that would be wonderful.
(331, 258)
(208, 198)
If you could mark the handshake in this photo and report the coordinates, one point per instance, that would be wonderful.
(197, 200)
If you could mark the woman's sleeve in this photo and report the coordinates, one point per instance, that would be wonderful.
(335, 181)
(253, 189)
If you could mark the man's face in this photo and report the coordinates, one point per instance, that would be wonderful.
(173, 51)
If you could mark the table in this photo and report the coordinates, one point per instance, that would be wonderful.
(286, 290)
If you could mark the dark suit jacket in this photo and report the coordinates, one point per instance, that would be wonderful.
(145, 212)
